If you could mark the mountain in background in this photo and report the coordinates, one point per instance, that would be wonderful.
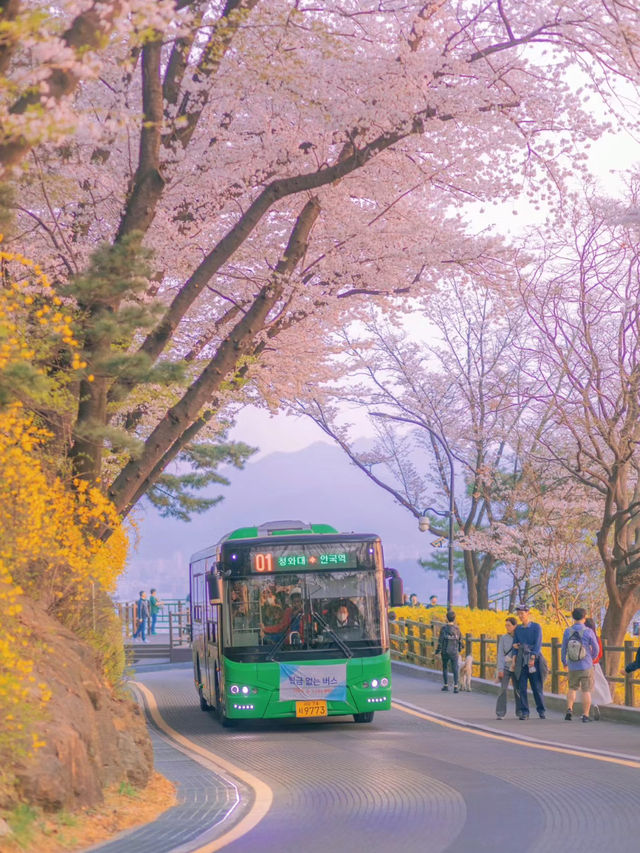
(317, 484)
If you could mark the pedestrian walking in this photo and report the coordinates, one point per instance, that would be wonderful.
(142, 617)
(579, 648)
(154, 609)
(449, 647)
(506, 666)
(601, 693)
(531, 667)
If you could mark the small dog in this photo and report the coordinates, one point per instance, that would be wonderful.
(465, 667)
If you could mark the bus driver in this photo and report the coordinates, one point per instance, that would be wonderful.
(346, 621)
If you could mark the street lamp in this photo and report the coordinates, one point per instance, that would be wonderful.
(423, 521)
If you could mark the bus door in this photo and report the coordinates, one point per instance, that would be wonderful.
(212, 640)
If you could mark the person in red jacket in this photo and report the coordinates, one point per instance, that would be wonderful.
(591, 624)
(601, 691)
(289, 622)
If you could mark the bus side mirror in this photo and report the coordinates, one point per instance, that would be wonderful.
(396, 597)
(213, 589)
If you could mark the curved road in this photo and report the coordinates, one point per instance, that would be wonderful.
(410, 781)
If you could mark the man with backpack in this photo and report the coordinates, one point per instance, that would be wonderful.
(579, 648)
(449, 646)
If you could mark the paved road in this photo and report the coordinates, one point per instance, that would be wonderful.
(416, 781)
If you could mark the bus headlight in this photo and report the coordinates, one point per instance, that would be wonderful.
(242, 688)
(376, 682)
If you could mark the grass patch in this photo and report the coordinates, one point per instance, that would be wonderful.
(124, 807)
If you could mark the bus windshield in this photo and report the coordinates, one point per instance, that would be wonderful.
(280, 616)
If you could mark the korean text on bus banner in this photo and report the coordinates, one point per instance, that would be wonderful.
(313, 682)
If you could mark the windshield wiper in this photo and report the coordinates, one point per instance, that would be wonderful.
(343, 646)
(277, 647)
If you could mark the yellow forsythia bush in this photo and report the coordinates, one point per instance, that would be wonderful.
(49, 549)
(51, 543)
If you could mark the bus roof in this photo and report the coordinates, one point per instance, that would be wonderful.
(277, 529)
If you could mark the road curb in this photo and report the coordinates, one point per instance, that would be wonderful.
(555, 702)
(205, 800)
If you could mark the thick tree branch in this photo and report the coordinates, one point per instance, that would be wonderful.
(160, 447)
(147, 181)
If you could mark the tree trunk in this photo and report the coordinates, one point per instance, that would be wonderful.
(470, 571)
(614, 627)
(482, 581)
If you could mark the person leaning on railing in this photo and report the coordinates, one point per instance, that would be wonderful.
(635, 664)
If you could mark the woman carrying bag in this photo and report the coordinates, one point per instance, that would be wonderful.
(601, 693)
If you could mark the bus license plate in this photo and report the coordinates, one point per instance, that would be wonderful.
(316, 708)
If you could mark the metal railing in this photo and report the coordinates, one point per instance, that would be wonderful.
(415, 642)
(172, 615)
(506, 599)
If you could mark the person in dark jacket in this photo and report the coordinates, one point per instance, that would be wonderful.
(449, 646)
(530, 665)
(142, 617)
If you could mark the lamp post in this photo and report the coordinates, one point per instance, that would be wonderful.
(443, 444)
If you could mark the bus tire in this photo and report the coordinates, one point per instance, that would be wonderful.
(204, 705)
(364, 717)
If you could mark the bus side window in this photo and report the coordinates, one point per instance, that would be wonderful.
(211, 630)
(198, 598)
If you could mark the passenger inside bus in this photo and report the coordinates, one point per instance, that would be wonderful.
(239, 605)
(271, 610)
(288, 623)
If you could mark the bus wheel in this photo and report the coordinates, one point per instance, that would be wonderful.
(204, 705)
(365, 717)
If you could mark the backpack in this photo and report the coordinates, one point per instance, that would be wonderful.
(575, 649)
(451, 640)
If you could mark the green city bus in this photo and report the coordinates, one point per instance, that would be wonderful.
(290, 620)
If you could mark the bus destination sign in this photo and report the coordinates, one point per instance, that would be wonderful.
(266, 561)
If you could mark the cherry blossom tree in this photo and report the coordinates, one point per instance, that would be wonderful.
(549, 544)
(583, 299)
(459, 386)
(243, 173)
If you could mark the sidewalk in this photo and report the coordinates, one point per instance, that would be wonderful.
(614, 733)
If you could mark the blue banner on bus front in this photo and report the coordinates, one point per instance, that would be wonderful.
(313, 682)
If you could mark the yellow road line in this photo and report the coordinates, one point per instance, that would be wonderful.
(263, 793)
(564, 750)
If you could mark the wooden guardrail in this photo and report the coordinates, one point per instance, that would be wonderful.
(415, 642)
